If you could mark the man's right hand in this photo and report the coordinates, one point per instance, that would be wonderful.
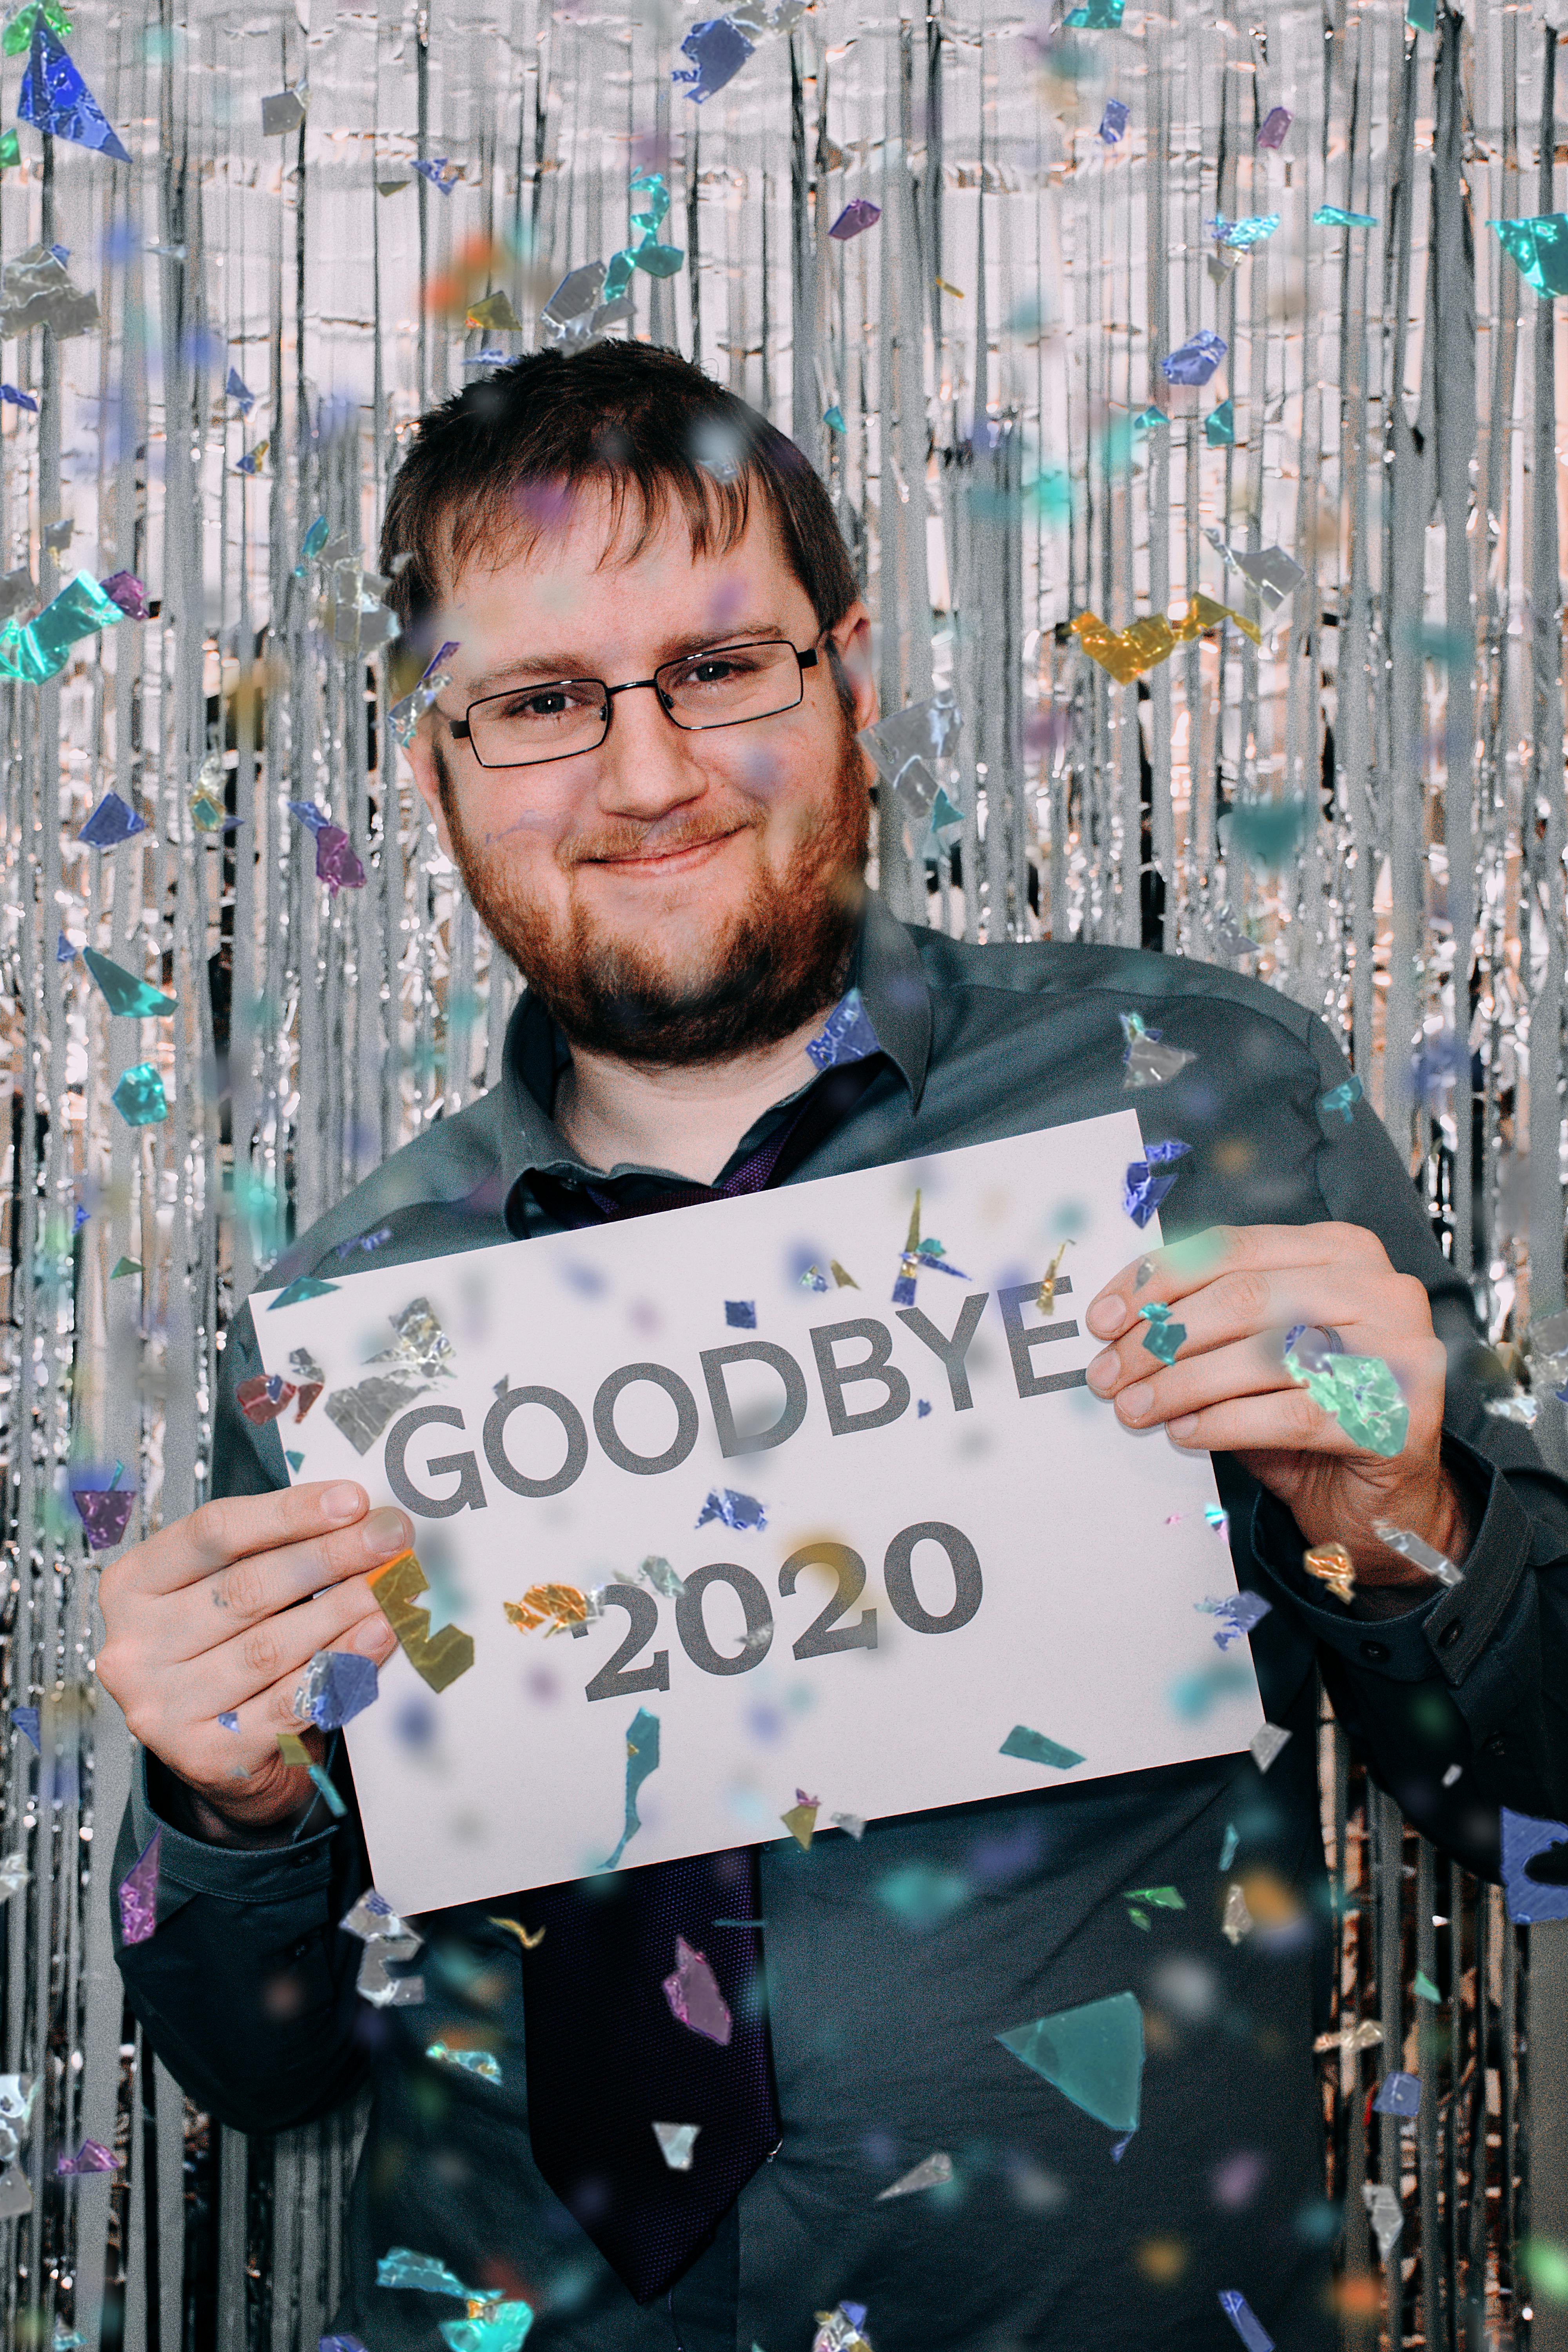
(221, 1613)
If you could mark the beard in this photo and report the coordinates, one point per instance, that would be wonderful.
(780, 959)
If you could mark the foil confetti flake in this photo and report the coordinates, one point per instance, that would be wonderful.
(857, 216)
(1539, 247)
(1338, 1099)
(54, 99)
(555, 1607)
(1244, 2320)
(642, 1757)
(1398, 2094)
(1149, 1180)
(1362, 1395)
(1034, 1747)
(847, 1035)
(733, 1509)
(138, 1097)
(1113, 122)
(123, 992)
(337, 1686)
(1422, 1554)
(36, 290)
(1165, 1337)
(105, 1513)
(1387, 2215)
(677, 2144)
(1333, 1566)
(111, 823)
(1274, 126)
(1193, 361)
(1237, 1614)
(934, 2171)
(264, 1397)
(91, 2156)
(1266, 1743)
(137, 1894)
(1093, 2054)
(1149, 1062)
(481, 2063)
(693, 1991)
(840, 2329)
(438, 1659)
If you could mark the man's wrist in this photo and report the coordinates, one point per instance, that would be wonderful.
(186, 1810)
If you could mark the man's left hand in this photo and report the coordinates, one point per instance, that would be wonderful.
(1239, 1289)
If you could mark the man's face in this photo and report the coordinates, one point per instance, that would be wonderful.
(673, 897)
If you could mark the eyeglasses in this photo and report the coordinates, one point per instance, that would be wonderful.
(723, 685)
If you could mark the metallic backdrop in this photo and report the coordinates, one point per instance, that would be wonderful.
(989, 346)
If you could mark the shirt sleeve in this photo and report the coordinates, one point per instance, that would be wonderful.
(1458, 1697)
(245, 1988)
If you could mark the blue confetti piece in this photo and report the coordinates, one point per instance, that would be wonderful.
(642, 1757)
(1113, 122)
(1534, 1868)
(740, 1314)
(111, 823)
(25, 1719)
(847, 1035)
(736, 1511)
(1245, 2321)
(54, 99)
(1398, 2094)
(718, 50)
(1193, 361)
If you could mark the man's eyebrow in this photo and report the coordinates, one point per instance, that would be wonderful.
(529, 667)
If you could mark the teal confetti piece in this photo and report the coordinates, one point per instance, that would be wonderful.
(1034, 1747)
(642, 1757)
(1363, 1397)
(1093, 2055)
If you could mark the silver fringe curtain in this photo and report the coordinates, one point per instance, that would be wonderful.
(973, 374)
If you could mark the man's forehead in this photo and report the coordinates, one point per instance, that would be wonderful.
(582, 560)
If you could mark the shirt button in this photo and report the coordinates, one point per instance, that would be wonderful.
(1450, 1634)
(1376, 1654)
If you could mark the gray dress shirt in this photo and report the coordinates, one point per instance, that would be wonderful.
(885, 2008)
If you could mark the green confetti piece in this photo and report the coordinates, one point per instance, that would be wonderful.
(1363, 1397)
(1426, 1987)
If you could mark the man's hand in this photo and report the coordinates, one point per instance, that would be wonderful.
(221, 1612)
(1239, 1289)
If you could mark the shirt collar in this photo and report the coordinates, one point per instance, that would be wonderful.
(886, 968)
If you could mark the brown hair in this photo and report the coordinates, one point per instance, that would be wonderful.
(499, 463)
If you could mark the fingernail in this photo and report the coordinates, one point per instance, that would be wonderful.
(374, 1638)
(1185, 1427)
(1106, 1317)
(1102, 1371)
(385, 1534)
(342, 1503)
(1136, 1400)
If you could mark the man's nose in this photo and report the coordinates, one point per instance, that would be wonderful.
(647, 765)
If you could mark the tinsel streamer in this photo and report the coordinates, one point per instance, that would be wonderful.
(988, 343)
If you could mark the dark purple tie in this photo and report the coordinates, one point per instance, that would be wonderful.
(607, 2057)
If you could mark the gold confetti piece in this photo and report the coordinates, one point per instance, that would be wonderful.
(1048, 1297)
(438, 1659)
(554, 1605)
(530, 1943)
(956, 291)
(1127, 653)
(293, 1750)
(1331, 1564)
(801, 1822)
(845, 1281)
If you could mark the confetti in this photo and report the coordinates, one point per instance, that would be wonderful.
(1113, 122)
(104, 1512)
(740, 1314)
(1193, 361)
(742, 1512)
(556, 1607)
(91, 2156)
(338, 1685)
(1237, 1613)
(264, 1397)
(1094, 2054)
(515, 1928)
(1034, 1747)
(1145, 1183)
(1335, 217)
(1148, 1061)
(306, 1286)
(693, 1994)
(1341, 1097)
(1242, 2317)
(138, 1895)
(1163, 1337)
(1387, 2215)
(675, 2144)
(933, 2172)
(1362, 1395)
(847, 1035)
(858, 214)
(801, 1820)
(1539, 247)
(1265, 1743)
(471, 2061)
(1275, 124)
(1398, 2094)
(1414, 1548)
(1534, 1868)
(642, 1757)
(437, 1658)
(1331, 1564)
(55, 99)
(139, 1097)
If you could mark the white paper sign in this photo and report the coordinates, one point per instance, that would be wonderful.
(949, 1551)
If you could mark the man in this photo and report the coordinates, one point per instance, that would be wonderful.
(644, 766)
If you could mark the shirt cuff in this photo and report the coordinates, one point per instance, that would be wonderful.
(1449, 1628)
(271, 1874)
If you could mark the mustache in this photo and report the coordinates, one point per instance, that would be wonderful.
(625, 837)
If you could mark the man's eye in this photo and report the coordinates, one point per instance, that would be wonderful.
(717, 672)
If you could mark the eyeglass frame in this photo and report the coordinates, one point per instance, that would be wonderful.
(461, 732)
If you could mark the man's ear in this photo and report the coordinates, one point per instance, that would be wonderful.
(427, 782)
(851, 640)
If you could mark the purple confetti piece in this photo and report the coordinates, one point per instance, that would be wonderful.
(1272, 133)
(1113, 122)
(693, 1994)
(105, 1513)
(139, 1894)
(1194, 360)
(858, 214)
(123, 588)
(91, 2156)
(336, 862)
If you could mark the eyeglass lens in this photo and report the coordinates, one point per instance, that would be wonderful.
(721, 687)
